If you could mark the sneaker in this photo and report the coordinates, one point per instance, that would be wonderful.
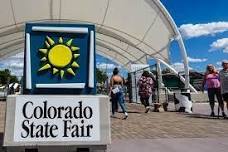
(212, 114)
(113, 116)
(224, 115)
(125, 115)
(147, 109)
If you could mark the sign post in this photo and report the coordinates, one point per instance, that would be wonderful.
(59, 109)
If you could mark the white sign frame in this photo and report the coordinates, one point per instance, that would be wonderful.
(15, 118)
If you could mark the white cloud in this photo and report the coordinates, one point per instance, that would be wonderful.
(106, 66)
(18, 56)
(220, 44)
(195, 60)
(14, 63)
(17, 65)
(219, 63)
(109, 74)
(196, 30)
(179, 67)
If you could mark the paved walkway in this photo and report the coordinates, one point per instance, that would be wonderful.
(169, 131)
(163, 131)
(154, 125)
(170, 145)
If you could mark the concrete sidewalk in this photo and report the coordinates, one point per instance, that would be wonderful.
(169, 131)
(170, 145)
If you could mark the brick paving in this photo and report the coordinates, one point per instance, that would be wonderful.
(154, 125)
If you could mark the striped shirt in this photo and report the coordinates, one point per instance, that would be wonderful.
(224, 81)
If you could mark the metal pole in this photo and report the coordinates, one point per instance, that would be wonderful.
(159, 74)
(136, 95)
(185, 60)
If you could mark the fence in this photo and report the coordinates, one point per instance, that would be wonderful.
(133, 78)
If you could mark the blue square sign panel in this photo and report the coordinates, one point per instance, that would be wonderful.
(59, 59)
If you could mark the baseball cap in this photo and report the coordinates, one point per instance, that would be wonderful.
(225, 62)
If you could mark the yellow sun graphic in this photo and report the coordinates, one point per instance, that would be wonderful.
(59, 57)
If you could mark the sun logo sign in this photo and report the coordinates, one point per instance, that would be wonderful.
(59, 57)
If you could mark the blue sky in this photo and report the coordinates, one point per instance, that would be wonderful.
(200, 18)
(204, 28)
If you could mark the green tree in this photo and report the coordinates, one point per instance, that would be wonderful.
(13, 79)
(6, 77)
(101, 76)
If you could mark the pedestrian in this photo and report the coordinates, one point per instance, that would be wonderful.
(211, 79)
(223, 74)
(114, 102)
(116, 91)
(145, 85)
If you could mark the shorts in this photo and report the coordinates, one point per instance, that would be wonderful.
(225, 96)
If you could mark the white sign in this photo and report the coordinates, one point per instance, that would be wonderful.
(56, 119)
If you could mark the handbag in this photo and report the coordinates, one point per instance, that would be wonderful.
(115, 90)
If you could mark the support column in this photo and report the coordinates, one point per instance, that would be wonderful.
(159, 74)
(185, 60)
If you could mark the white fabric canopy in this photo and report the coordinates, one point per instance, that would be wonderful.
(128, 31)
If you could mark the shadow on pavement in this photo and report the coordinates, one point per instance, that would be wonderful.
(135, 112)
(204, 116)
(129, 111)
